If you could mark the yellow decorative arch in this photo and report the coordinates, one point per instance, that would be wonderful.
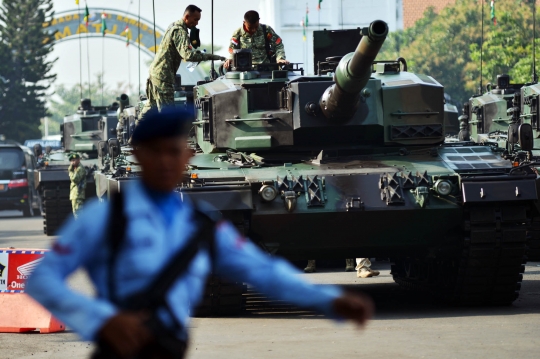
(68, 25)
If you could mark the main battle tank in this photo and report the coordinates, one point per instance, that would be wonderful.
(505, 117)
(354, 164)
(81, 133)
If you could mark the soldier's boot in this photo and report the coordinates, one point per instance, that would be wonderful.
(310, 268)
(366, 272)
(349, 265)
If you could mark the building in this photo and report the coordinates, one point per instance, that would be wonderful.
(286, 18)
(414, 9)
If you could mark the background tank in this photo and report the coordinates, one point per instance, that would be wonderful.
(81, 133)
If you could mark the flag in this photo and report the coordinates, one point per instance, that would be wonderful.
(493, 17)
(319, 5)
(305, 23)
(126, 30)
(103, 23)
(86, 14)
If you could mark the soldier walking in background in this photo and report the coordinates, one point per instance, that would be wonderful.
(266, 46)
(312, 266)
(77, 176)
(175, 47)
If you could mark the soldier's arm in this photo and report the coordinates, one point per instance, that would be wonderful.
(77, 175)
(234, 43)
(278, 44)
(241, 260)
(182, 44)
(80, 244)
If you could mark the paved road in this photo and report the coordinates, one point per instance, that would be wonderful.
(406, 325)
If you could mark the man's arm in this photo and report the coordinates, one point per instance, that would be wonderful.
(278, 45)
(77, 175)
(239, 259)
(78, 244)
(181, 42)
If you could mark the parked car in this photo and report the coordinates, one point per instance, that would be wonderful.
(17, 189)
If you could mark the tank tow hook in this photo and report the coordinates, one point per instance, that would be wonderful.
(290, 200)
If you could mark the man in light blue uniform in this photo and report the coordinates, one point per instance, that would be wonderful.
(158, 225)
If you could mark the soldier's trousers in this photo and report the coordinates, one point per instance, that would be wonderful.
(76, 205)
(160, 94)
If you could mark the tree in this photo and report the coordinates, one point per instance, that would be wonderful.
(26, 73)
(67, 99)
(447, 45)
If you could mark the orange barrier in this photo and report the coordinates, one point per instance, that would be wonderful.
(18, 311)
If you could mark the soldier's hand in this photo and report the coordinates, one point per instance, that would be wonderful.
(283, 61)
(355, 307)
(227, 64)
(126, 334)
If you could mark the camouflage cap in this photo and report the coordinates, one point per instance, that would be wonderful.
(74, 156)
(170, 122)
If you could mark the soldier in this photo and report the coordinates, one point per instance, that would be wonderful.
(265, 44)
(312, 265)
(128, 256)
(175, 47)
(77, 176)
(363, 267)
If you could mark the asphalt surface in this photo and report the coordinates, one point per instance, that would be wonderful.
(406, 325)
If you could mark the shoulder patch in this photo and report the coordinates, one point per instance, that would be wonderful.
(278, 41)
(234, 41)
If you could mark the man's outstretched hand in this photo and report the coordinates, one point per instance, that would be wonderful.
(355, 307)
(126, 334)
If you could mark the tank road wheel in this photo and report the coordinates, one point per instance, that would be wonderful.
(56, 207)
(221, 297)
(487, 268)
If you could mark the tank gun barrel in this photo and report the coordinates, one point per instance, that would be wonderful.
(340, 101)
(124, 101)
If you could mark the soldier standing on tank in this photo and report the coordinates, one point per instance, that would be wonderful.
(77, 176)
(266, 46)
(175, 47)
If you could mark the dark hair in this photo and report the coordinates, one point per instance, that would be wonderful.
(251, 17)
(191, 9)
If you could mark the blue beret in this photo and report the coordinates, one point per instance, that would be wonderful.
(170, 122)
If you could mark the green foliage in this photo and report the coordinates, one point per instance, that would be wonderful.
(24, 70)
(67, 99)
(447, 45)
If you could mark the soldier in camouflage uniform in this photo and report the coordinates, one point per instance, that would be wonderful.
(175, 47)
(253, 35)
(77, 176)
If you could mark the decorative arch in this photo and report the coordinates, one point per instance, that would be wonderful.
(67, 25)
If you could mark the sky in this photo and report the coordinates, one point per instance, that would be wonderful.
(120, 63)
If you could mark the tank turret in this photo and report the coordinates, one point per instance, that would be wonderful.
(82, 130)
(340, 101)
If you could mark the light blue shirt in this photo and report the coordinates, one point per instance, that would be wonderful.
(149, 245)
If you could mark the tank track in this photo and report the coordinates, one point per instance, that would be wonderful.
(533, 241)
(221, 297)
(485, 269)
(56, 206)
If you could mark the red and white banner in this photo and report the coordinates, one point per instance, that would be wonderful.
(16, 265)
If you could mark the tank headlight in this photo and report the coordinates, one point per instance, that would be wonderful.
(443, 187)
(268, 193)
